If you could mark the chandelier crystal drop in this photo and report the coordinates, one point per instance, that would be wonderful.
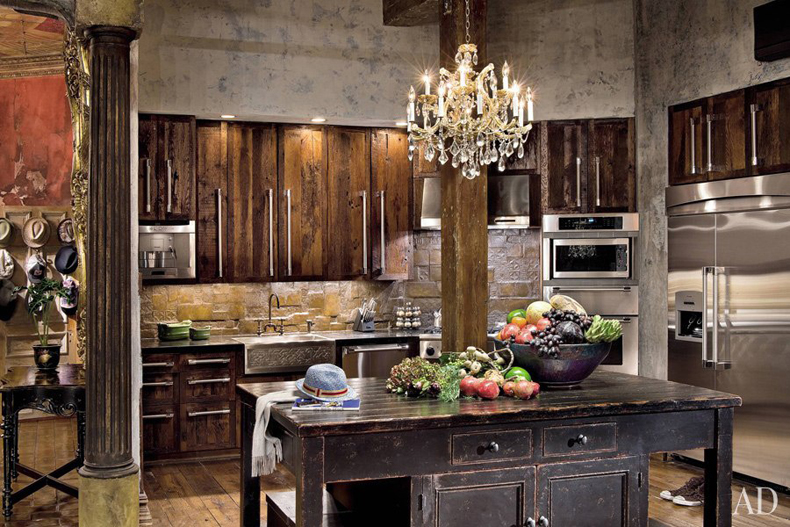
(471, 121)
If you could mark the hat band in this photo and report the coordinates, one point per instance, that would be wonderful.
(318, 392)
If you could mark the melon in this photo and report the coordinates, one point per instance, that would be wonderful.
(535, 311)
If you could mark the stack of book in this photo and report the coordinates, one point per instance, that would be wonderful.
(312, 404)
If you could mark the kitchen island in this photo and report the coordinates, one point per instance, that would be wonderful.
(569, 458)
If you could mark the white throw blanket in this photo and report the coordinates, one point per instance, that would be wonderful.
(267, 451)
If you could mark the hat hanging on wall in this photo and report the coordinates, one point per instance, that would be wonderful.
(69, 304)
(6, 264)
(7, 300)
(35, 232)
(6, 232)
(67, 260)
(36, 268)
(66, 231)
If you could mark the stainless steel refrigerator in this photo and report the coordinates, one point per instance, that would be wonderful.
(729, 308)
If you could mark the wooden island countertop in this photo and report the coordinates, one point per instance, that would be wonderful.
(607, 425)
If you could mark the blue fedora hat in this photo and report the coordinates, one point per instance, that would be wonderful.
(326, 382)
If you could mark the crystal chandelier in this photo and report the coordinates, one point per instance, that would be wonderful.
(470, 116)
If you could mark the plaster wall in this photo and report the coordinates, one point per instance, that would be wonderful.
(684, 51)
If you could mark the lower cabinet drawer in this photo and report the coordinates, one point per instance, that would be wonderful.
(160, 388)
(207, 384)
(579, 439)
(494, 445)
(208, 426)
(160, 429)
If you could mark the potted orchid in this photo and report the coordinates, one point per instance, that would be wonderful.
(40, 297)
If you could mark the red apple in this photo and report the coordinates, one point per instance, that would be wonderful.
(488, 389)
(525, 335)
(509, 388)
(523, 389)
(535, 388)
(511, 330)
(543, 323)
(469, 386)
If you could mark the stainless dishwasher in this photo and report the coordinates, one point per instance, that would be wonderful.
(373, 360)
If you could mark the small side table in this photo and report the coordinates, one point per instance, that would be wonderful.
(60, 392)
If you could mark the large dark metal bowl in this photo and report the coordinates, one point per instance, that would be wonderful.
(574, 364)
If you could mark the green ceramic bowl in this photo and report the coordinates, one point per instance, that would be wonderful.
(200, 333)
(174, 331)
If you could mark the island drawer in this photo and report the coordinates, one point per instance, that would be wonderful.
(215, 361)
(579, 439)
(491, 445)
(202, 385)
(160, 429)
(160, 388)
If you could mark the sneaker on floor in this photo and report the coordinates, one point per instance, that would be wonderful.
(693, 499)
(686, 489)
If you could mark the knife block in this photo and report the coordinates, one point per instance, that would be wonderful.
(362, 325)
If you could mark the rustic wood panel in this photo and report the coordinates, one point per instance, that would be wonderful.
(611, 185)
(348, 178)
(160, 429)
(391, 174)
(566, 167)
(773, 127)
(149, 193)
(179, 137)
(302, 168)
(727, 136)
(530, 163)
(421, 167)
(212, 170)
(680, 144)
(252, 176)
(207, 385)
(208, 432)
(159, 388)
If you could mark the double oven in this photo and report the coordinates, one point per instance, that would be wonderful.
(592, 258)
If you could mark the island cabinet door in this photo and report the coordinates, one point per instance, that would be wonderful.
(391, 205)
(303, 202)
(598, 493)
(348, 202)
(495, 497)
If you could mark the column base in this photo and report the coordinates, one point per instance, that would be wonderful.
(113, 501)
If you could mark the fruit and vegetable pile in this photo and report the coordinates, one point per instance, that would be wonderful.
(562, 320)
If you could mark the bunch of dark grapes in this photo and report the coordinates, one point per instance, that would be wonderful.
(547, 342)
(558, 315)
(586, 322)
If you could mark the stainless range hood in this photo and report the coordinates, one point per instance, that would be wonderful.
(508, 202)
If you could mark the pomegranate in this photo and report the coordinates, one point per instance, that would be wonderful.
(509, 388)
(488, 389)
(523, 389)
(543, 324)
(469, 386)
(525, 335)
(511, 330)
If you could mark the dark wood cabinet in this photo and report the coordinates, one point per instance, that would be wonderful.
(160, 429)
(611, 184)
(208, 426)
(421, 166)
(348, 203)
(685, 144)
(252, 202)
(768, 130)
(529, 163)
(212, 193)
(303, 218)
(167, 168)
(391, 205)
(565, 177)
(724, 136)
(592, 493)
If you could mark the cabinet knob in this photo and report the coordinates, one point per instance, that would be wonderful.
(581, 439)
(493, 447)
(543, 521)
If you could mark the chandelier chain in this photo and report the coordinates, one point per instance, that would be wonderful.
(468, 38)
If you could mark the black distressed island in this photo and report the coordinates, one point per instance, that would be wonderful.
(569, 458)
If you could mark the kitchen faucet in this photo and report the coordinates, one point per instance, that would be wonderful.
(270, 324)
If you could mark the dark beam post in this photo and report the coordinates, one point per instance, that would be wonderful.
(464, 207)
(109, 479)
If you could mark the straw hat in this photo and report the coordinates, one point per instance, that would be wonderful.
(66, 231)
(35, 233)
(6, 232)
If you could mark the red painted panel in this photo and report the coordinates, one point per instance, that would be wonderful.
(35, 141)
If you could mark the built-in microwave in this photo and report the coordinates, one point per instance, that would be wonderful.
(167, 250)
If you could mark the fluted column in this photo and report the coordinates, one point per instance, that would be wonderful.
(108, 484)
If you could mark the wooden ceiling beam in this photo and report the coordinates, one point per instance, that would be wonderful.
(411, 12)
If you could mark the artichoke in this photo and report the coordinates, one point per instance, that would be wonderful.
(603, 330)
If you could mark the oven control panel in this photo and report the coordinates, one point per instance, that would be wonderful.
(590, 223)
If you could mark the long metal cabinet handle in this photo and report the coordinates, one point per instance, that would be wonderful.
(364, 232)
(208, 412)
(209, 381)
(578, 181)
(158, 416)
(715, 346)
(288, 208)
(693, 146)
(754, 108)
(624, 289)
(271, 233)
(597, 181)
(153, 384)
(148, 185)
(169, 186)
(383, 235)
(368, 348)
(219, 232)
(709, 132)
(157, 365)
(193, 362)
(705, 272)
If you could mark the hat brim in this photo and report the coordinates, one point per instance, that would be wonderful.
(351, 394)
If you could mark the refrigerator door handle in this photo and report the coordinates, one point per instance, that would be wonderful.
(706, 270)
(721, 358)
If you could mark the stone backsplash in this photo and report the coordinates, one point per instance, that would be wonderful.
(513, 276)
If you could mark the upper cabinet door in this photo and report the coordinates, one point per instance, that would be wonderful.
(392, 191)
(769, 128)
(302, 223)
(611, 185)
(565, 177)
(724, 136)
(348, 202)
(148, 191)
(685, 144)
(252, 202)
(529, 163)
(212, 186)
(178, 170)
(423, 167)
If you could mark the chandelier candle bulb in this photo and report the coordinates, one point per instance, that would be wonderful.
(515, 100)
(411, 112)
(505, 75)
(427, 79)
(530, 106)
